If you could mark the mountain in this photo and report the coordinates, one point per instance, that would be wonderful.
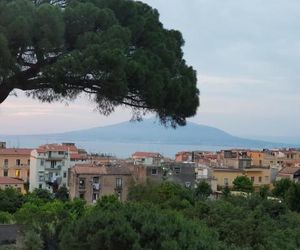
(148, 131)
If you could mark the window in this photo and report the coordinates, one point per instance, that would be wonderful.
(41, 178)
(154, 171)
(82, 183)
(65, 175)
(259, 179)
(28, 162)
(95, 197)
(5, 172)
(53, 164)
(226, 181)
(18, 173)
(42, 162)
(18, 162)
(266, 178)
(119, 183)
(177, 170)
(252, 178)
(96, 179)
(6, 163)
(60, 152)
(40, 185)
(81, 195)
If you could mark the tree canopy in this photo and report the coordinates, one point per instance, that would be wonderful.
(115, 51)
(243, 183)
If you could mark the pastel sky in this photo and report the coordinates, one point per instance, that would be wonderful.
(246, 53)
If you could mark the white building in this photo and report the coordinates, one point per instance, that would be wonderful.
(49, 165)
(147, 158)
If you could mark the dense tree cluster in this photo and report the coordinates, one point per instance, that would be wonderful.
(116, 51)
(158, 216)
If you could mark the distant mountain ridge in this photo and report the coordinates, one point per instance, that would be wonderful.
(149, 131)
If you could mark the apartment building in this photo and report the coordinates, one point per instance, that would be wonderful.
(237, 159)
(91, 182)
(14, 162)
(49, 165)
(226, 176)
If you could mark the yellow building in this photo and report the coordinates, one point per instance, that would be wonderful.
(226, 176)
(15, 162)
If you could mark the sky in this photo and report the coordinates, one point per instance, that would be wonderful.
(246, 54)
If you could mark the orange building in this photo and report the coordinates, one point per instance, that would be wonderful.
(15, 162)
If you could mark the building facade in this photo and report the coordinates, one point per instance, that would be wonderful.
(91, 182)
(15, 162)
(49, 165)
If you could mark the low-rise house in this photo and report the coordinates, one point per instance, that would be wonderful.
(49, 165)
(147, 158)
(15, 162)
(292, 173)
(91, 182)
(8, 182)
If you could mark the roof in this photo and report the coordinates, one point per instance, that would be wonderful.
(56, 147)
(146, 154)
(79, 156)
(101, 170)
(15, 151)
(289, 170)
(8, 180)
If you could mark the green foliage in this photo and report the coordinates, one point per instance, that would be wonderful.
(264, 191)
(116, 51)
(165, 194)
(136, 226)
(41, 194)
(10, 200)
(203, 190)
(6, 218)
(62, 194)
(293, 197)
(32, 241)
(281, 187)
(243, 184)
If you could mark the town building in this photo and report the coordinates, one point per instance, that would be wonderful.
(226, 176)
(9, 182)
(15, 162)
(147, 158)
(291, 173)
(234, 159)
(49, 165)
(180, 173)
(91, 182)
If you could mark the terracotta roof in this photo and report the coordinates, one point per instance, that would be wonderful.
(79, 156)
(289, 170)
(101, 170)
(146, 154)
(56, 147)
(15, 151)
(8, 180)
